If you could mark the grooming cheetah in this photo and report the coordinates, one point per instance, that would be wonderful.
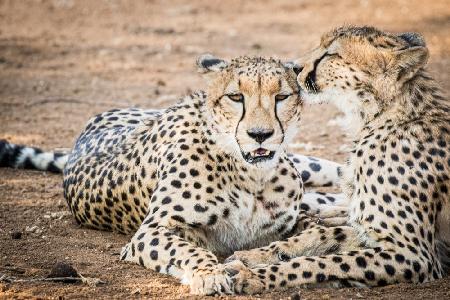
(205, 177)
(397, 177)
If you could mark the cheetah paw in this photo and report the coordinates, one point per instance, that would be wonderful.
(277, 252)
(245, 281)
(211, 281)
(253, 258)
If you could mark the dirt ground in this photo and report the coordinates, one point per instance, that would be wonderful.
(63, 61)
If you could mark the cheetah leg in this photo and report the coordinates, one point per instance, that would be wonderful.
(369, 267)
(326, 206)
(322, 209)
(315, 241)
(316, 171)
(161, 250)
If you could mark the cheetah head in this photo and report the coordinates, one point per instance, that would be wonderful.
(253, 106)
(361, 70)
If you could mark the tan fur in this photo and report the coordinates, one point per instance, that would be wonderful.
(397, 177)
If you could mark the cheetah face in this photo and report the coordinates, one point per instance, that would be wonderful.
(360, 70)
(253, 106)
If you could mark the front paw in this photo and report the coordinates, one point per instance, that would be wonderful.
(275, 253)
(245, 280)
(211, 281)
(254, 257)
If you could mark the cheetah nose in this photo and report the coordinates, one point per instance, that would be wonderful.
(298, 69)
(259, 134)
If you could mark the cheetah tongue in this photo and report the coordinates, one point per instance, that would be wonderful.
(260, 152)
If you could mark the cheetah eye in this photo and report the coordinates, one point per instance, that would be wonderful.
(281, 97)
(283, 256)
(236, 97)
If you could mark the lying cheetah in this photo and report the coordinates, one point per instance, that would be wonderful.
(397, 177)
(206, 177)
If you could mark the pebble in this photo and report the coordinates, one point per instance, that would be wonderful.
(62, 269)
(33, 229)
(56, 215)
(16, 235)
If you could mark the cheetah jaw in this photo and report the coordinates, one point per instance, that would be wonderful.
(258, 155)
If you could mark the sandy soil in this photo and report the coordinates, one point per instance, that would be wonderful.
(62, 61)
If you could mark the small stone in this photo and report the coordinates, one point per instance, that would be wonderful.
(31, 228)
(64, 270)
(295, 296)
(256, 46)
(16, 235)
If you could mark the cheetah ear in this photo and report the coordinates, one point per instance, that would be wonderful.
(412, 58)
(207, 63)
(413, 39)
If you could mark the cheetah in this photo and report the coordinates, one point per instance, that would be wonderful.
(201, 179)
(396, 179)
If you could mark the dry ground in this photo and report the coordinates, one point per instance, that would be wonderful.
(62, 61)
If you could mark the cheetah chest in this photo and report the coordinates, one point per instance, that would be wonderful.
(252, 222)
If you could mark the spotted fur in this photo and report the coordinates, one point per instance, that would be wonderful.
(19, 156)
(185, 181)
(397, 176)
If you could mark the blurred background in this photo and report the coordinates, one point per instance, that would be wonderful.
(62, 61)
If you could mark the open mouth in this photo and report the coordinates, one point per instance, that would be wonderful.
(258, 155)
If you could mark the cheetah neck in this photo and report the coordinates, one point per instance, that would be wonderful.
(419, 99)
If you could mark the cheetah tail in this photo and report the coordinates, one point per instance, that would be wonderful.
(23, 157)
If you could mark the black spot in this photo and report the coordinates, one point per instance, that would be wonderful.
(178, 208)
(154, 255)
(199, 208)
(315, 167)
(410, 228)
(370, 275)
(176, 183)
(212, 220)
(305, 175)
(387, 198)
(194, 172)
(361, 262)
(292, 276)
(140, 246)
(320, 277)
(337, 259)
(407, 274)
(344, 267)
(393, 180)
(389, 269)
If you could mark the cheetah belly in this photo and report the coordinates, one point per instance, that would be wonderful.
(245, 227)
